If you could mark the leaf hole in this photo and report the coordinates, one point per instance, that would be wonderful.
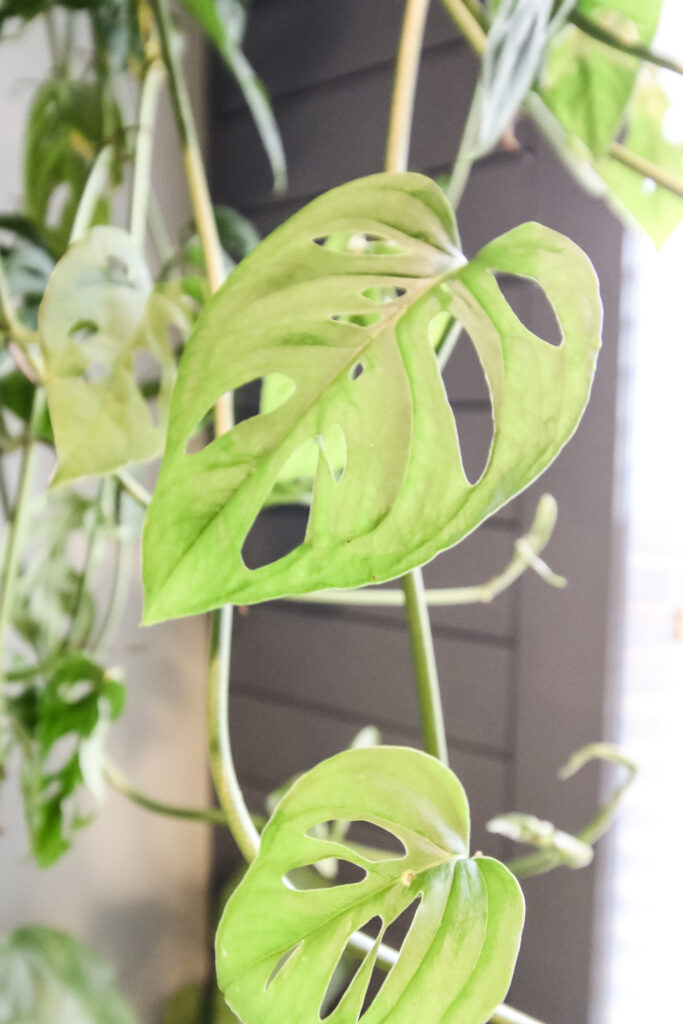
(372, 841)
(96, 372)
(383, 294)
(397, 931)
(308, 875)
(275, 533)
(261, 395)
(332, 444)
(359, 243)
(117, 271)
(357, 319)
(280, 965)
(347, 969)
(469, 395)
(83, 330)
(531, 306)
(356, 371)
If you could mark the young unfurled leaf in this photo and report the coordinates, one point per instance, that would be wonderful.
(47, 977)
(649, 134)
(469, 910)
(99, 316)
(292, 307)
(59, 720)
(527, 828)
(587, 84)
(224, 21)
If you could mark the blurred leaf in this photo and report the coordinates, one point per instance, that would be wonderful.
(513, 54)
(527, 828)
(68, 124)
(99, 320)
(186, 1006)
(224, 22)
(470, 910)
(47, 977)
(59, 724)
(587, 84)
(297, 308)
(656, 209)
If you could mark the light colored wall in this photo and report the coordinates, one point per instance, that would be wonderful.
(135, 885)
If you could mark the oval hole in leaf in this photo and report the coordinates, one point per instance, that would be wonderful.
(83, 330)
(356, 371)
(359, 242)
(397, 931)
(531, 306)
(381, 844)
(96, 372)
(359, 319)
(280, 964)
(348, 873)
(261, 395)
(383, 294)
(118, 271)
(469, 396)
(275, 532)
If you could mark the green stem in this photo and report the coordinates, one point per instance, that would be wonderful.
(417, 612)
(13, 540)
(76, 635)
(161, 240)
(118, 781)
(133, 488)
(469, 25)
(424, 661)
(616, 42)
(466, 152)
(641, 165)
(142, 178)
(97, 183)
(220, 754)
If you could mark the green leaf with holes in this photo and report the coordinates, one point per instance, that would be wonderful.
(350, 330)
(587, 84)
(103, 329)
(468, 919)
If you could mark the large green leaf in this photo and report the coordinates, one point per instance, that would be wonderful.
(98, 316)
(587, 84)
(293, 308)
(654, 207)
(224, 22)
(277, 947)
(47, 977)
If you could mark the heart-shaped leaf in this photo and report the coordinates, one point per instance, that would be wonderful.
(278, 947)
(99, 315)
(350, 329)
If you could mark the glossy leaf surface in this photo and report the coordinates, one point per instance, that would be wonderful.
(98, 316)
(587, 84)
(291, 308)
(47, 977)
(469, 917)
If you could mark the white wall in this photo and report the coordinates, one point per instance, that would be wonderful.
(135, 885)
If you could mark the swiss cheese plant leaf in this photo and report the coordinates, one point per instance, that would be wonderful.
(277, 946)
(224, 21)
(649, 134)
(103, 329)
(298, 308)
(587, 84)
(47, 977)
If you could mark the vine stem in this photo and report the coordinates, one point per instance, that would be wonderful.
(417, 612)
(645, 167)
(142, 178)
(15, 527)
(220, 753)
(118, 781)
(94, 187)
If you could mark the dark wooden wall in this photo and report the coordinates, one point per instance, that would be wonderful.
(524, 678)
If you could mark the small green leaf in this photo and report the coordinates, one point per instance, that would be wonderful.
(224, 21)
(292, 307)
(98, 315)
(47, 977)
(587, 84)
(469, 915)
(655, 208)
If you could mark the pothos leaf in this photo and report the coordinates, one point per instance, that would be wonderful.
(648, 134)
(364, 366)
(100, 315)
(223, 21)
(469, 915)
(59, 722)
(47, 977)
(587, 84)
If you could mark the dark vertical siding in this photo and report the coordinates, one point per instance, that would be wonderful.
(523, 678)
